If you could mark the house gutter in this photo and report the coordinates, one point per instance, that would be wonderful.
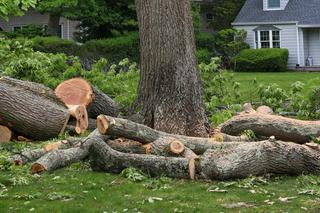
(261, 23)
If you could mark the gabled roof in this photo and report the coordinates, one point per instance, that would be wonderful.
(304, 12)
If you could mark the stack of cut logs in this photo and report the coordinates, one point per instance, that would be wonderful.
(33, 111)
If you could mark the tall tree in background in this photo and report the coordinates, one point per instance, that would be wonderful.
(169, 89)
(224, 12)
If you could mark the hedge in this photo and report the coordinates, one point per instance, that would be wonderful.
(261, 60)
(113, 49)
(55, 45)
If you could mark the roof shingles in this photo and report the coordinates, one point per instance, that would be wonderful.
(305, 12)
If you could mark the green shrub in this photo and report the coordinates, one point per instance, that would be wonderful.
(29, 31)
(55, 45)
(113, 49)
(204, 55)
(263, 60)
(205, 41)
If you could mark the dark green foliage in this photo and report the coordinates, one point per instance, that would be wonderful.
(205, 41)
(266, 60)
(113, 49)
(29, 31)
(230, 42)
(204, 55)
(55, 45)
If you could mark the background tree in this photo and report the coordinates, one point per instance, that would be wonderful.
(169, 89)
(99, 18)
(17, 7)
(225, 12)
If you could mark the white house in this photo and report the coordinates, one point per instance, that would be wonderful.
(290, 24)
(67, 27)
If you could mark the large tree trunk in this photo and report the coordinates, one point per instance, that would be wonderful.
(169, 88)
(263, 124)
(53, 24)
(31, 109)
(239, 161)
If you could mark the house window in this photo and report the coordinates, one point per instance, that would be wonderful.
(59, 33)
(273, 4)
(276, 39)
(209, 16)
(267, 39)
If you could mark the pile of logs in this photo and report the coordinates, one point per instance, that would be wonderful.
(32, 111)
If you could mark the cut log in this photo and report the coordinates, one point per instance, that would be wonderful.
(5, 134)
(286, 129)
(259, 158)
(73, 130)
(264, 110)
(118, 127)
(104, 158)
(79, 112)
(78, 91)
(31, 109)
(239, 161)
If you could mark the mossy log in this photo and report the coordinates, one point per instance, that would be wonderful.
(118, 127)
(263, 124)
(78, 91)
(239, 161)
(31, 110)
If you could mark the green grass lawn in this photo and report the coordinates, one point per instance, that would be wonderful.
(283, 79)
(77, 189)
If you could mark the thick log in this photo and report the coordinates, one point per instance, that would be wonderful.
(286, 129)
(239, 161)
(78, 91)
(260, 158)
(5, 134)
(104, 158)
(31, 109)
(118, 127)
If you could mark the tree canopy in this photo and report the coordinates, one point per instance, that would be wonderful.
(15, 7)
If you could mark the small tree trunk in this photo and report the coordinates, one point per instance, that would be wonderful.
(53, 24)
(31, 109)
(169, 88)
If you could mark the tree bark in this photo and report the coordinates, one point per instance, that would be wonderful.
(31, 109)
(169, 97)
(239, 161)
(104, 158)
(78, 91)
(282, 128)
(53, 24)
(118, 127)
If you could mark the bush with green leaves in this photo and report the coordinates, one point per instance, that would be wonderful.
(28, 31)
(221, 93)
(230, 42)
(55, 45)
(261, 60)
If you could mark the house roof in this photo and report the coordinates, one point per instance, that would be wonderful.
(304, 12)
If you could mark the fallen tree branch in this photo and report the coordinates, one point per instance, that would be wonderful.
(117, 127)
(286, 129)
(239, 161)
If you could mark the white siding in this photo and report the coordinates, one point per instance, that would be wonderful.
(33, 17)
(288, 34)
(283, 4)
